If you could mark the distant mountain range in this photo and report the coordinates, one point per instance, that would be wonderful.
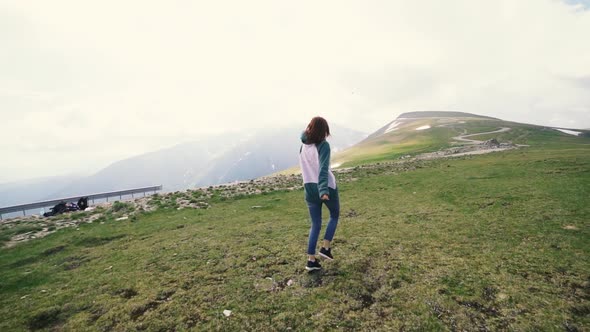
(218, 159)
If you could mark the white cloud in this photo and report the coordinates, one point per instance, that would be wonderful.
(102, 80)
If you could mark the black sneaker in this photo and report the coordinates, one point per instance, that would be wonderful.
(326, 253)
(315, 265)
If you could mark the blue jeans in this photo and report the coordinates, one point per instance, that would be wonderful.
(315, 212)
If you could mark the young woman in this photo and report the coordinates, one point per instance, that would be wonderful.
(320, 188)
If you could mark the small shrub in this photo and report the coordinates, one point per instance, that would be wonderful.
(122, 207)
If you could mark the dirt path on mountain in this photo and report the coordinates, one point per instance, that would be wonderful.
(463, 138)
(470, 146)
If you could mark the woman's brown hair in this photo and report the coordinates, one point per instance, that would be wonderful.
(317, 130)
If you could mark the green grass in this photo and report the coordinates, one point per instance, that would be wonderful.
(478, 126)
(390, 148)
(533, 135)
(463, 244)
(405, 140)
(7, 232)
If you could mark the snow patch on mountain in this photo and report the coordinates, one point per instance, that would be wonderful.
(392, 126)
(570, 132)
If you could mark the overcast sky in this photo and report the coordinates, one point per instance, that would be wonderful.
(85, 83)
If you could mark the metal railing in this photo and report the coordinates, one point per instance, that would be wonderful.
(91, 197)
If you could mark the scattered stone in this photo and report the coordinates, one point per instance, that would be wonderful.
(227, 313)
(290, 282)
(44, 291)
(570, 227)
(491, 143)
(256, 207)
(471, 147)
(165, 295)
(122, 218)
(24, 297)
(109, 268)
(94, 217)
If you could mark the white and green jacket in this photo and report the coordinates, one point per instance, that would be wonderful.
(318, 179)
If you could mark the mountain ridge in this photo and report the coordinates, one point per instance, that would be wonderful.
(441, 114)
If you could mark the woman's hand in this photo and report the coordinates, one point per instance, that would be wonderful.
(325, 197)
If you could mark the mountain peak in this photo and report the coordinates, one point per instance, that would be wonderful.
(434, 114)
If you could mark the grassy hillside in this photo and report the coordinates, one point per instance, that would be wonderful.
(493, 242)
(406, 138)
(535, 136)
